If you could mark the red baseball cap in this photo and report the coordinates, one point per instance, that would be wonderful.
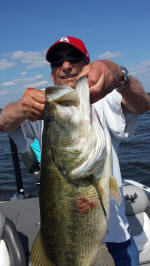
(77, 43)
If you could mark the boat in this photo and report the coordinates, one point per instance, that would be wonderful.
(20, 216)
(137, 207)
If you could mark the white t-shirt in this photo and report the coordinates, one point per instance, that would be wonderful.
(119, 127)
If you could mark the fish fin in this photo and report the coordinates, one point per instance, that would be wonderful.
(38, 256)
(102, 198)
(104, 258)
(114, 190)
(101, 191)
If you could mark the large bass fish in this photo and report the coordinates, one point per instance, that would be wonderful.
(76, 182)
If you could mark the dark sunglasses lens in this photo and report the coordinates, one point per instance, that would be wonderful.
(72, 57)
(56, 61)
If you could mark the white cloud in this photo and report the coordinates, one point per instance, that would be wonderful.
(142, 72)
(4, 63)
(39, 76)
(23, 73)
(142, 67)
(30, 59)
(2, 93)
(38, 84)
(108, 55)
(8, 83)
(27, 82)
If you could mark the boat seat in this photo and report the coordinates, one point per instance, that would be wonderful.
(11, 249)
(136, 204)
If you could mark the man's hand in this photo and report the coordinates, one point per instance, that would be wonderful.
(103, 77)
(33, 103)
(29, 107)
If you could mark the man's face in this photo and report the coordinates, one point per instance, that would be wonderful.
(67, 72)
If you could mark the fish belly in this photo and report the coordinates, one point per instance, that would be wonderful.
(73, 223)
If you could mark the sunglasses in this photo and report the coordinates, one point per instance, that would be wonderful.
(58, 60)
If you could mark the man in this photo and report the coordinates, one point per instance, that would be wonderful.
(69, 60)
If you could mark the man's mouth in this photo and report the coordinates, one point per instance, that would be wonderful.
(69, 76)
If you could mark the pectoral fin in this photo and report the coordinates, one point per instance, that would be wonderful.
(114, 190)
(102, 198)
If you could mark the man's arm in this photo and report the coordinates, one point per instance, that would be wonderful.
(29, 107)
(11, 117)
(105, 75)
(135, 99)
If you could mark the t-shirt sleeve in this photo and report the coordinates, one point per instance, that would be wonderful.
(121, 126)
(26, 133)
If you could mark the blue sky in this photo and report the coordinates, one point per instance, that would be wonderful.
(115, 30)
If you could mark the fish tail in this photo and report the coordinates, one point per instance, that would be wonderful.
(104, 258)
(38, 256)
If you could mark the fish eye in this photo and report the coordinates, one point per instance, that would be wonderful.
(49, 119)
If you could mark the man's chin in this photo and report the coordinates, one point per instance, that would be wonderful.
(69, 82)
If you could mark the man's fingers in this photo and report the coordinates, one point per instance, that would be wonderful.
(38, 106)
(34, 113)
(36, 95)
(33, 103)
(97, 91)
(84, 71)
(94, 75)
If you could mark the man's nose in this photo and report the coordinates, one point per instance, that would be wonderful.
(66, 66)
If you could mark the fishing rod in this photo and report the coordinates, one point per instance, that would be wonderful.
(15, 158)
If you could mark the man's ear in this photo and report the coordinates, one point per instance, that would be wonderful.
(52, 77)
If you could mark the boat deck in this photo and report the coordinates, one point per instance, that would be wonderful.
(26, 216)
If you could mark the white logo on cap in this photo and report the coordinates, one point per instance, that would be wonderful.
(64, 39)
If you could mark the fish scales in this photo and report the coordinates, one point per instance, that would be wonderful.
(75, 183)
(73, 222)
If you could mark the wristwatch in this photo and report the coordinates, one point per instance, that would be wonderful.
(126, 78)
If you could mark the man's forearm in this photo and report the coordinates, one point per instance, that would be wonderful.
(11, 117)
(135, 99)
